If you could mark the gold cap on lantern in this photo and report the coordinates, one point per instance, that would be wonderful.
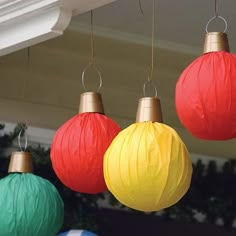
(21, 162)
(149, 109)
(91, 102)
(216, 41)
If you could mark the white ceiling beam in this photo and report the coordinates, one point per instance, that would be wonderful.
(24, 23)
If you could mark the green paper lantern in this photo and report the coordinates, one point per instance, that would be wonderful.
(29, 206)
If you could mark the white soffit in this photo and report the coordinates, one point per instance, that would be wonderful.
(24, 23)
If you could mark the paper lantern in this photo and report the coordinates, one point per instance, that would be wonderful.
(77, 233)
(205, 98)
(79, 145)
(29, 204)
(147, 166)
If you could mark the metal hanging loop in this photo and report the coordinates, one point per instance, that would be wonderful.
(92, 66)
(150, 83)
(217, 17)
(19, 139)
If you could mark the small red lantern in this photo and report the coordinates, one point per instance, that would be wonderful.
(79, 145)
(205, 97)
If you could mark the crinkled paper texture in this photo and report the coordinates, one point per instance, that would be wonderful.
(147, 167)
(78, 149)
(29, 206)
(206, 98)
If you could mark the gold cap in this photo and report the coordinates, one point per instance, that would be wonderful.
(91, 102)
(149, 109)
(21, 162)
(216, 41)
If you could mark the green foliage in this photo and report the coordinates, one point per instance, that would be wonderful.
(79, 208)
(6, 141)
(212, 193)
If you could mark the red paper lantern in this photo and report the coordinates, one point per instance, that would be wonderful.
(78, 148)
(205, 92)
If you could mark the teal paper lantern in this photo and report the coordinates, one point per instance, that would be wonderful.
(29, 204)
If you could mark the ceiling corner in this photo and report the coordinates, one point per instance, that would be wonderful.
(24, 23)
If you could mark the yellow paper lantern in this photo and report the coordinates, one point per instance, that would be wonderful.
(147, 166)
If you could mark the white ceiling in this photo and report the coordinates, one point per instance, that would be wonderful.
(179, 24)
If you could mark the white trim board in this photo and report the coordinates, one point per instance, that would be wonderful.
(24, 23)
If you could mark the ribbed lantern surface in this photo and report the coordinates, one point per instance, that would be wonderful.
(78, 149)
(147, 167)
(30, 206)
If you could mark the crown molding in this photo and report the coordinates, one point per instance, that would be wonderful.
(24, 23)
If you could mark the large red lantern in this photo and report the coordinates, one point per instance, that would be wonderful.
(79, 145)
(205, 97)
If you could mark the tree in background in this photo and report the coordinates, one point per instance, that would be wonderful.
(210, 199)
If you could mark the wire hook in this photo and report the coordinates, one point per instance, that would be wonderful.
(23, 128)
(216, 17)
(216, 8)
(91, 64)
(151, 85)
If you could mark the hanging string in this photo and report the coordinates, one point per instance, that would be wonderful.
(151, 71)
(216, 8)
(25, 78)
(150, 77)
(92, 59)
(28, 56)
(24, 86)
(91, 40)
(140, 6)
